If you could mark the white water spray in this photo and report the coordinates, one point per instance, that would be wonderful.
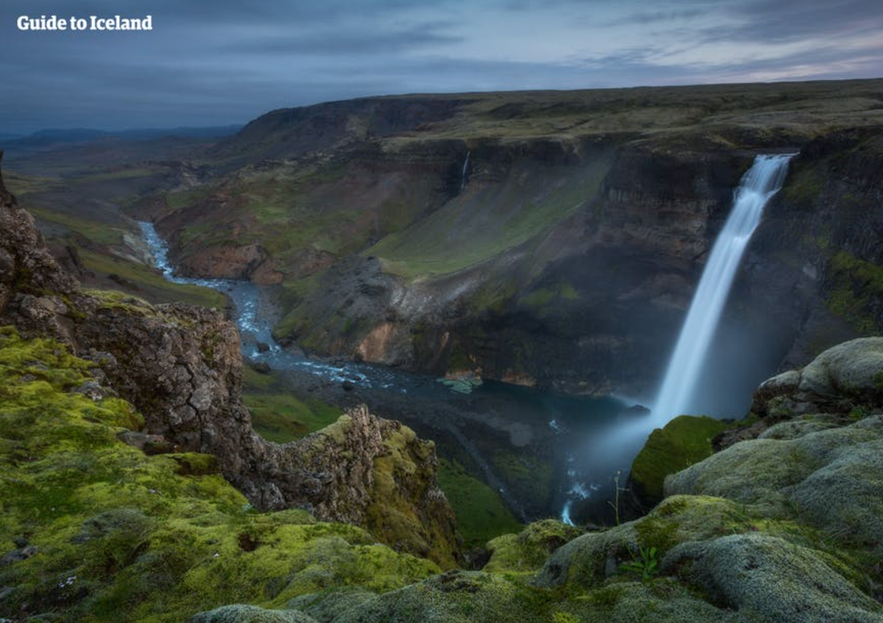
(760, 183)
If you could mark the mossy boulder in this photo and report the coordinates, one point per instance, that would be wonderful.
(840, 379)
(771, 580)
(453, 597)
(250, 614)
(685, 440)
(832, 479)
(528, 550)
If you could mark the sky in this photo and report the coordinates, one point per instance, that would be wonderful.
(225, 62)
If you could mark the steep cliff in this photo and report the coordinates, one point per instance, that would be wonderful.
(548, 239)
(181, 367)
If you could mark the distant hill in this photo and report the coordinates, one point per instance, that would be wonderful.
(53, 136)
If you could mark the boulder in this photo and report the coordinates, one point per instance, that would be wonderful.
(769, 579)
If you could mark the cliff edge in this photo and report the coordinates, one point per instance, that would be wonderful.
(180, 366)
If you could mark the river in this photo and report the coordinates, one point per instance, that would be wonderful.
(525, 443)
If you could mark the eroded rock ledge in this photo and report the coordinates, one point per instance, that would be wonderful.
(181, 367)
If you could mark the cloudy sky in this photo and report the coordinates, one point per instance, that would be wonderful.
(222, 61)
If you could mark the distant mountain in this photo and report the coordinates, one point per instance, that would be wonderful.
(53, 136)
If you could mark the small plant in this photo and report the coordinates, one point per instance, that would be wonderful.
(646, 564)
(616, 490)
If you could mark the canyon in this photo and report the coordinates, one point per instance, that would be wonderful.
(534, 252)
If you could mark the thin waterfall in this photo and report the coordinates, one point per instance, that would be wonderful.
(465, 171)
(759, 184)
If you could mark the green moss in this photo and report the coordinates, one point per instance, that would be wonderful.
(539, 300)
(398, 484)
(125, 536)
(680, 443)
(857, 284)
(528, 550)
(113, 299)
(804, 187)
(481, 514)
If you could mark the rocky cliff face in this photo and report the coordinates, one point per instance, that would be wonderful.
(181, 367)
(548, 239)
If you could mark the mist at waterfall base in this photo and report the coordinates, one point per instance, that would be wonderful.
(691, 385)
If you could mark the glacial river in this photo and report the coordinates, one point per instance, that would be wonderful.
(494, 419)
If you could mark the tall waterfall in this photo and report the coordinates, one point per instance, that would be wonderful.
(760, 183)
(612, 451)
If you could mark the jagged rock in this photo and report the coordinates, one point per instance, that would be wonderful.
(149, 444)
(92, 390)
(261, 367)
(181, 367)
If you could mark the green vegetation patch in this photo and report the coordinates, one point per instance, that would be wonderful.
(858, 285)
(477, 227)
(680, 443)
(481, 513)
(96, 231)
(277, 414)
(102, 532)
(144, 278)
(528, 477)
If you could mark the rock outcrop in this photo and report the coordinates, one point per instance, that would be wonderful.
(181, 367)
(847, 378)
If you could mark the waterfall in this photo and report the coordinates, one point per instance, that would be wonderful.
(465, 171)
(613, 450)
(759, 184)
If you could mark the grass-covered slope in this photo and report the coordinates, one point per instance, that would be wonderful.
(277, 414)
(83, 220)
(94, 530)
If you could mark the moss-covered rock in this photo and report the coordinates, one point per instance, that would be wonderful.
(99, 531)
(832, 479)
(590, 560)
(682, 442)
(250, 614)
(453, 597)
(770, 579)
(528, 550)
(843, 377)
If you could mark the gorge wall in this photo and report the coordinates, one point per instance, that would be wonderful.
(181, 367)
(546, 239)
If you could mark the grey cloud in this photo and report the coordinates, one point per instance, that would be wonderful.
(209, 63)
(654, 17)
(364, 42)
